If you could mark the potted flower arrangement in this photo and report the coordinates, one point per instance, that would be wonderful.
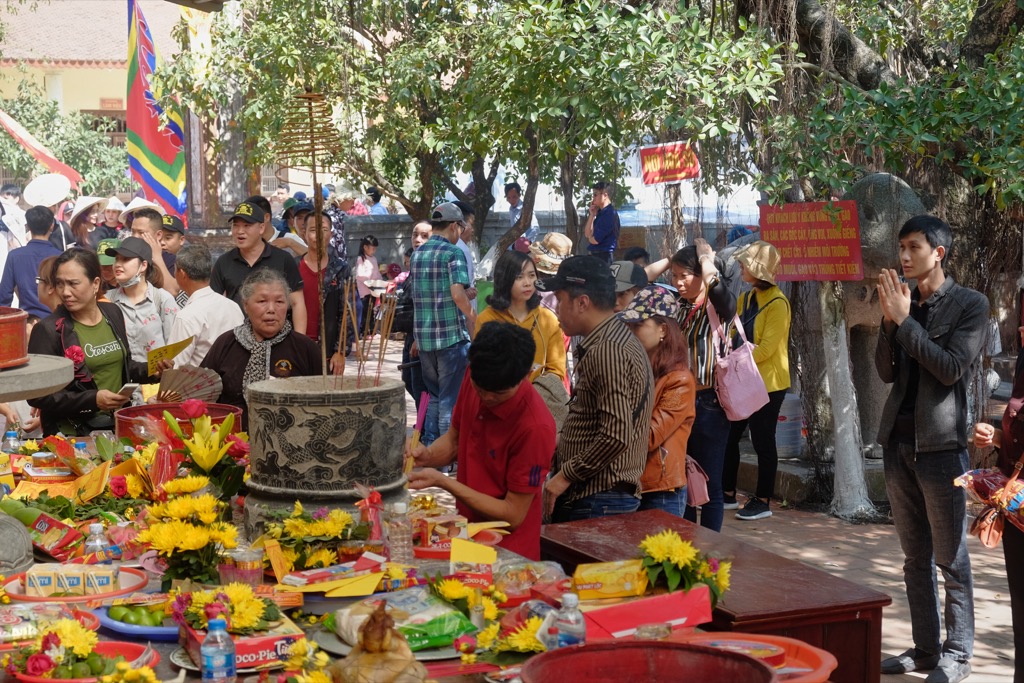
(186, 531)
(66, 649)
(311, 540)
(666, 555)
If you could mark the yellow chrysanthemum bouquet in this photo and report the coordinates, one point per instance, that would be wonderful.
(189, 535)
(310, 539)
(490, 643)
(682, 565)
(63, 649)
(306, 664)
(236, 603)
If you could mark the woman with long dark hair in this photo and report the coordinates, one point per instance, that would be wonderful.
(92, 335)
(84, 228)
(651, 315)
(515, 300)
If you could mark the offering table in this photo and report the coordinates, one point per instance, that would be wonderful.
(767, 594)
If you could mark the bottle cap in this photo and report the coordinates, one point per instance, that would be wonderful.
(95, 528)
(400, 508)
(11, 435)
(80, 445)
(217, 624)
(570, 600)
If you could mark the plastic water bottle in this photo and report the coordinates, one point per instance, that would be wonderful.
(81, 450)
(98, 543)
(549, 639)
(11, 443)
(218, 654)
(572, 629)
(400, 534)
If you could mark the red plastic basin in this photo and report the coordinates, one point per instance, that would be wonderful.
(647, 661)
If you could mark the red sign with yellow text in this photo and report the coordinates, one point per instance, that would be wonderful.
(816, 240)
(668, 163)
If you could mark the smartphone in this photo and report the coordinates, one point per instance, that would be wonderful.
(128, 389)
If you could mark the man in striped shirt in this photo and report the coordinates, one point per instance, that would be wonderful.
(602, 448)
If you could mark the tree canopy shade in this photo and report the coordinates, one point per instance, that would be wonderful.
(425, 89)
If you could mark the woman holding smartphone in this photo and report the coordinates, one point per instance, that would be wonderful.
(92, 335)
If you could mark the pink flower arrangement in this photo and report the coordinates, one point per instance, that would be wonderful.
(75, 354)
(39, 664)
(119, 486)
(193, 408)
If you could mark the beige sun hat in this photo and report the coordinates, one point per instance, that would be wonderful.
(114, 204)
(48, 189)
(139, 203)
(83, 204)
(760, 259)
(549, 253)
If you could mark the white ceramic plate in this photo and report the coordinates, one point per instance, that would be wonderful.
(329, 642)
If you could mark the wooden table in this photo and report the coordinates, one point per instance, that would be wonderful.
(768, 593)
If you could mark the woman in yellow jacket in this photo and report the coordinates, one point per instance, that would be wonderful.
(515, 300)
(765, 315)
(651, 315)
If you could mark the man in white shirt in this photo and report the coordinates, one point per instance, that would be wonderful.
(207, 315)
(469, 225)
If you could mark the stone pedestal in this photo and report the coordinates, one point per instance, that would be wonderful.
(313, 439)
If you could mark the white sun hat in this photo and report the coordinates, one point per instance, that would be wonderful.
(114, 204)
(83, 204)
(48, 189)
(139, 203)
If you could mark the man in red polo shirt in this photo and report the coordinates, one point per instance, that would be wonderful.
(503, 436)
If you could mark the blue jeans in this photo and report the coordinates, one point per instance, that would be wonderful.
(706, 445)
(603, 504)
(412, 376)
(931, 521)
(673, 502)
(442, 371)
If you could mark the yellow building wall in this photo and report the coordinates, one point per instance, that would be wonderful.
(73, 88)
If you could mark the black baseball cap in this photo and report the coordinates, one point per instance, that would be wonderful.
(172, 223)
(132, 247)
(248, 212)
(586, 273)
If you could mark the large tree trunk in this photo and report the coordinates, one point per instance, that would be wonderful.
(850, 495)
(530, 197)
(567, 185)
(675, 235)
(814, 388)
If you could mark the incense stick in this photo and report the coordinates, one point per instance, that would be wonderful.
(389, 304)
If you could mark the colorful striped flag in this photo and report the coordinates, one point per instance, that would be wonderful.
(38, 150)
(156, 152)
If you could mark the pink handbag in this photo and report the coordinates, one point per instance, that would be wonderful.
(696, 484)
(738, 382)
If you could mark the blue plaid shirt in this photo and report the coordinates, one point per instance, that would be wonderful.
(435, 267)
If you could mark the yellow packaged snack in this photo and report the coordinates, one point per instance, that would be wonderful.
(71, 580)
(41, 580)
(100, 579)
(600, 580)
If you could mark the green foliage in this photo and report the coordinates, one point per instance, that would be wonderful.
(78, 140)
(968, 120)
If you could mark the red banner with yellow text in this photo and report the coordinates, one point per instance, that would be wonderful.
(816, 240)
(668, 163)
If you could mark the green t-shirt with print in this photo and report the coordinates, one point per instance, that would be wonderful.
(104, 356)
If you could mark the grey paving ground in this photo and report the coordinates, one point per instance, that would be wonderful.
(867, 554)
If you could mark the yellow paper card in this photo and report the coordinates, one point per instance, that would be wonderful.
(132, 466)
(165, 353)
(83, 489)
(277, 562)
(357, 586)
(473, 528)
(468, 552)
